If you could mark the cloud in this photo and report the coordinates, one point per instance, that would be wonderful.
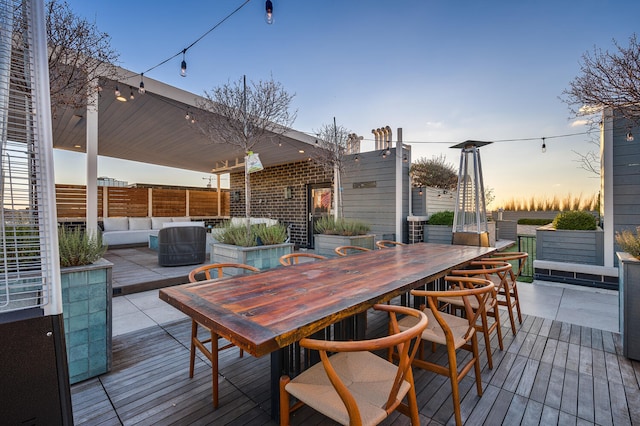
(578, 123)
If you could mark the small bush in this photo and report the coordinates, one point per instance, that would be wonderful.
(238, 236)
(275, 234)
(575, 220)
(441, 218)
(347, 227)
(537, 222)
(78, 247)
(629, 242)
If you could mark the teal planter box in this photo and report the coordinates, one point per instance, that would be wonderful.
(86, 309)
(262, 257)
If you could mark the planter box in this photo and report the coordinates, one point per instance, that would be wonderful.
(561, 245)
(262, 257)
(629, 307)
(325, 244)
(438, 234)
(86, 309)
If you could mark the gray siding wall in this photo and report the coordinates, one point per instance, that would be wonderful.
(626, 178)
(369, 193)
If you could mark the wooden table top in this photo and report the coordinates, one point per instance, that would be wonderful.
(266, 311)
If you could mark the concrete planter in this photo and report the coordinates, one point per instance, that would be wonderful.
(262, 257)
(86, 306)
(629, 308)
(560, 245)
(325, 244)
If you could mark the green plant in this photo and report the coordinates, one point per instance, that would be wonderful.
(441, 218)
(238, 236)
(575, 220)
(78, 247)
(347, 227)
(629, 242)
(530, 221)
(275, 234)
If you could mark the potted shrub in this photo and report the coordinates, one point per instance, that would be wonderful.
(573, 237)
(86, 303)
(260, 246)
(629, 290)
(332, 233)
(439, 228)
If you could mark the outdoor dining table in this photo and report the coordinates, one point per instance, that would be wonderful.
(264, 313)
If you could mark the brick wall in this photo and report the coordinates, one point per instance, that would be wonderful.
(267, 195)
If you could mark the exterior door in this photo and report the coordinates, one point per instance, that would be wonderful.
(319, 205)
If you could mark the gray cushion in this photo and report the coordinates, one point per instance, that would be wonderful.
(156, 222)
(115, 223)
(139, 223)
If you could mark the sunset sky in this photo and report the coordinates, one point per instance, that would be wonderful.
(442, 71)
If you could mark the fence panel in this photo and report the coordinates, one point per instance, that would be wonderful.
(132, 202)
(169, 202)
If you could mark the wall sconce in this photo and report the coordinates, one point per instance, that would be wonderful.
(288, 193)
(235, 196)
(629, 136)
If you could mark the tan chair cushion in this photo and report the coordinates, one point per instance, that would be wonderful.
(367, 376)
(433, 332)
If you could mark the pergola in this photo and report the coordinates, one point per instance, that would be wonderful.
(151, 128)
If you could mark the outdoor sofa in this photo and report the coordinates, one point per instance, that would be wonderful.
(136, 230)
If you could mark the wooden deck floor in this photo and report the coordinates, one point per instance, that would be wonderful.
(549, 373)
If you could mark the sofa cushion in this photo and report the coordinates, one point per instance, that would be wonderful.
(115, 223)
(181, 219)
(156, 222)
(139, 223)
(176, 224)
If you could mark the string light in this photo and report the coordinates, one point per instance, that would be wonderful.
(268, 17)
(187, 116)
(183, 65)
(131, 96)
(141, 89)
(544, 146)
(116, 92)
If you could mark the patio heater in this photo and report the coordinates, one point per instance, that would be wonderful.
(470, 216)
(34, 384)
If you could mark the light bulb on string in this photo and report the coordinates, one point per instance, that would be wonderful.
(183, 65)
(116, 92)
(141, 89)
(187, 116)
(544, 146)
(268, 17)
(131, 96)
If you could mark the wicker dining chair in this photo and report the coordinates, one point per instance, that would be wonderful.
(488, 270)
(353, 386)
(453, 331)
(294, 258)
(508, 296)
(346, 250)
(388, 243)
(209, 272)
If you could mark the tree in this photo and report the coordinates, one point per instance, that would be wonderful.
(332, 145)
(436, 173)
(607, 80)
(79, 55)
(242, 115)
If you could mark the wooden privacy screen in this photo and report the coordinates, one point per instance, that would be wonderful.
(134, 202)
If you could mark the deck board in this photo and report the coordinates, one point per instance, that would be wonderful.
(550, 372)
